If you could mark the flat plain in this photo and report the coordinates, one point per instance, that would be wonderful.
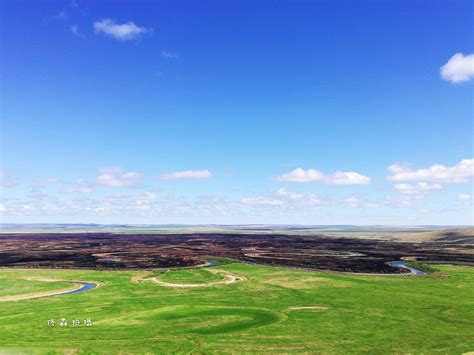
(272, 310)
(366, 251)
(237, 291)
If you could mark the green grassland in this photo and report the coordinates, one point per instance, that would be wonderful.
(274, 310)
(195, 276)
(23, 284)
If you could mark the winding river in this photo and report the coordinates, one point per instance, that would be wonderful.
(403, 265)
(81, 287)
(85, 287)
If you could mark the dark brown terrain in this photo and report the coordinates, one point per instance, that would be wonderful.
(108, 250)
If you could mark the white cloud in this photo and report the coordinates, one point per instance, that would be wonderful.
(101, 210)
(147, 196)
(75, 31)
(47, 182)
(169, 55)
(465, 197)
(51, 181)
(131, 175)
(2, 208)
(458, 173)
(338, 178)
(347, 178)
(316, 200)
(82, 182)
(399, 201)
(259, 201)
(122, 32)
(111, 170)
(420, 188)
(62, 15)
(290, 199)
(372, 205)
(81, 186)
(301, 175)
(352, 201)
(118, 180)
(80, 190)
(290, 194)
(459, 68)
(187, 175)
(359, 202)
(6, 180)
(109, 177)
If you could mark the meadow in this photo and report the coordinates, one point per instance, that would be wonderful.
(269, 310)
(198, 275)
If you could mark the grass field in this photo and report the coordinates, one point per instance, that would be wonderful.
(23, 284)
(198, 275)
(271, 310)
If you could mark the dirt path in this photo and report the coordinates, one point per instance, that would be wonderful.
(75, 288)
(136, 278)
(140, 276)
(228, 279)
(300, 308)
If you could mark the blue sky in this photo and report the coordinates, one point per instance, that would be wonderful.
(308, 112)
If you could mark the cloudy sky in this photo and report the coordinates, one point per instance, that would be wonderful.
(308, 112)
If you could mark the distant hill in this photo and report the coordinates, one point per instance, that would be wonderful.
(458, 234)
(449, 235)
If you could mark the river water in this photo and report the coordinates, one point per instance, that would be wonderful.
(85, 287)
(402, 265)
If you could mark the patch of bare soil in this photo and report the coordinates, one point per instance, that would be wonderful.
(314, 308)
(229, 278)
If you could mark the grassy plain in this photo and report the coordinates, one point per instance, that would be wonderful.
(24, 284)
(194, 276)
(275, 310)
